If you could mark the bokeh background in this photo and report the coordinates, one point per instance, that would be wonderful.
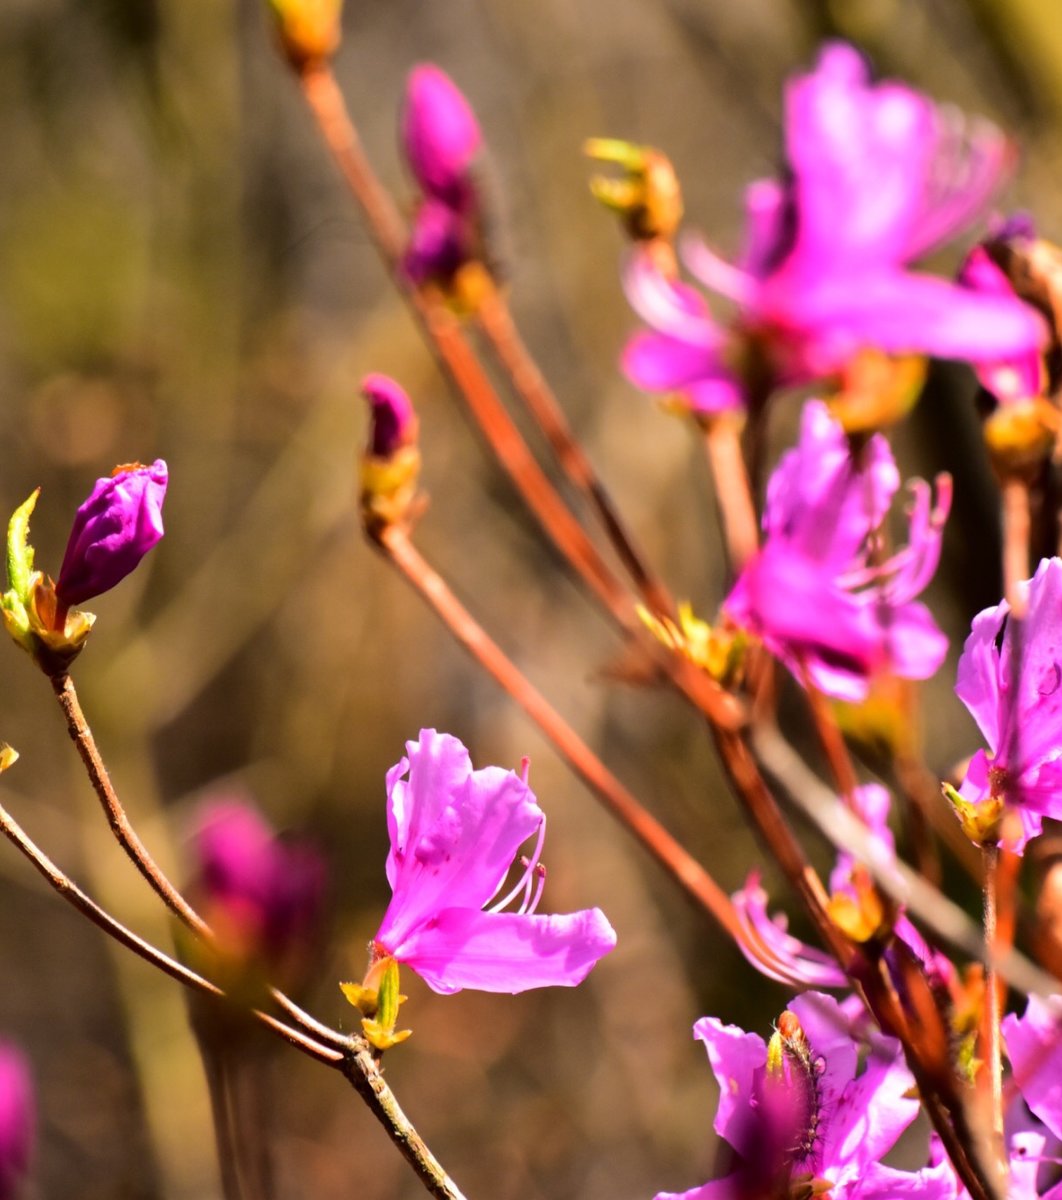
(183, 275)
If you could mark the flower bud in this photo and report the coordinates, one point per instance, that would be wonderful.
(17, 1120)
(440, 135)
(113, 530)
(309, 29)
(391, 463)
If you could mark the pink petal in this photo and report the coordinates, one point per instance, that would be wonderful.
(861, 150)
(1034, 1046)
(904, 313)
(1034, 718)
(736, 1059)
(505, 952)
(656, 362)
(977, 684)
(454, 832)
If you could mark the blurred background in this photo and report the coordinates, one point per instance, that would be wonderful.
(184, 276)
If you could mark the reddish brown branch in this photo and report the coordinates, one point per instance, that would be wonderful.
(496, 321)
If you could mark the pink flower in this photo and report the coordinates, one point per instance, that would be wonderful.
(1013, 691)
(17, 1120)
(262, 894)
(810, 593)
(454, 836)
(112, 531)
(803, 1115)
(1019, 377)
(878, 176)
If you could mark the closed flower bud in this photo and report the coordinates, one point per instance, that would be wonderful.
(113, 530)
(391, 464)
(440, 134)
(309, 29)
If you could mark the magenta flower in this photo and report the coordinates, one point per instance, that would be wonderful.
(17, 1120)
(1013, 692)
(454, 835)
(810, 593)
(263, 895)
(878, 176)
(1019, 377)
(113, 530)
(800, 1116)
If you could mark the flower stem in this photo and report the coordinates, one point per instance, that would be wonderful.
(671, 855)
(993, 998)
(1017, 523)
(496, 321)
(733, 492)
(119, 822)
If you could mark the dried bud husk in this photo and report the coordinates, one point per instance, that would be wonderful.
(648, 198)
(309, 30)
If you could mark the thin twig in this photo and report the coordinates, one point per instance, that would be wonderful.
(363, 1072)
(667, 851)
(121, 827)
(496, 321)
(1017, 526)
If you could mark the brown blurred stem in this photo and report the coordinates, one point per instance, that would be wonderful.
(496, 321)
(733, 493)
(668, 852)
(1017, 525)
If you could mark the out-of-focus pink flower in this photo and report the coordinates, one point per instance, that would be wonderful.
(810, 593)
(800, 1119)
(440, 134)
(263, 895)
(394, 421)
(1013, 691)
(455, 834)
(1021, 377)
(112, 531)
(878, 176)
(17, 1120)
